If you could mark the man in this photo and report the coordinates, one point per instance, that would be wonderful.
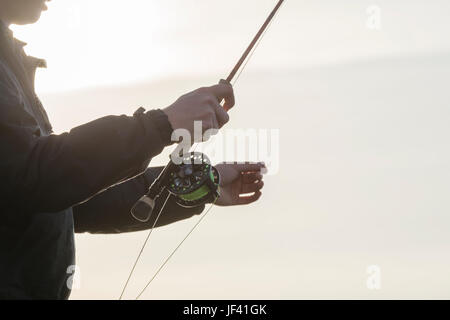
(86, 180)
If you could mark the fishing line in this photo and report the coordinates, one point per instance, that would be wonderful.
(143, 248)
(175, 250)
(253, 51)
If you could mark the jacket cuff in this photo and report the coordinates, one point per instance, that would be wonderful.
(160, 121)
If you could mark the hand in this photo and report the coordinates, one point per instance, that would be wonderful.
(202, 105)
(237, 180)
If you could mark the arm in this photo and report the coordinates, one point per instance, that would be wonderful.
(109, 211)
(52, 173)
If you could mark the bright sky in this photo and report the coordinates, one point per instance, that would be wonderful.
(97, 42)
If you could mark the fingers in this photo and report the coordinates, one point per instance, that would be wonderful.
(252, 184)
(222, 91)
(251, 167)
(252, 187)
(222, 116)
(250, 199)
(230, 101)
(251, 177)
(214, 124)
(214, 95)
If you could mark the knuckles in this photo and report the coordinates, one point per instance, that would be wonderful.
(203, 104)
(209, 100)
(202, 90)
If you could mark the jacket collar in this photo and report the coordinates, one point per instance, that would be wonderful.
(31, 62)
(4, 30)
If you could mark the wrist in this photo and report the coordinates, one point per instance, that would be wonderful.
(170, 117)
(161, 121)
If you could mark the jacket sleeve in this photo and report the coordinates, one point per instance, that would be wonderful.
(109, 211)
(53, 173)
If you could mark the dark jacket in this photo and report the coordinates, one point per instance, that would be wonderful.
(51, 185)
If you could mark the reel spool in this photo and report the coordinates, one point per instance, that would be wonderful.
(194, 182)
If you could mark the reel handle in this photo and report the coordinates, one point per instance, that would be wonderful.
(143, 209)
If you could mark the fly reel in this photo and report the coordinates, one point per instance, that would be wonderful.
(192, 183)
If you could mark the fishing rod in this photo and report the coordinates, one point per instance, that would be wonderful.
(194, 182)
(254, 42)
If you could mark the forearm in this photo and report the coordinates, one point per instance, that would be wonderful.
(49, 174)
(109, 212)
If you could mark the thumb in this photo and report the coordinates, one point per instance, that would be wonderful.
(222, 91)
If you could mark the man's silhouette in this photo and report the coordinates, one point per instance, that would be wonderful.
(85, 180)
